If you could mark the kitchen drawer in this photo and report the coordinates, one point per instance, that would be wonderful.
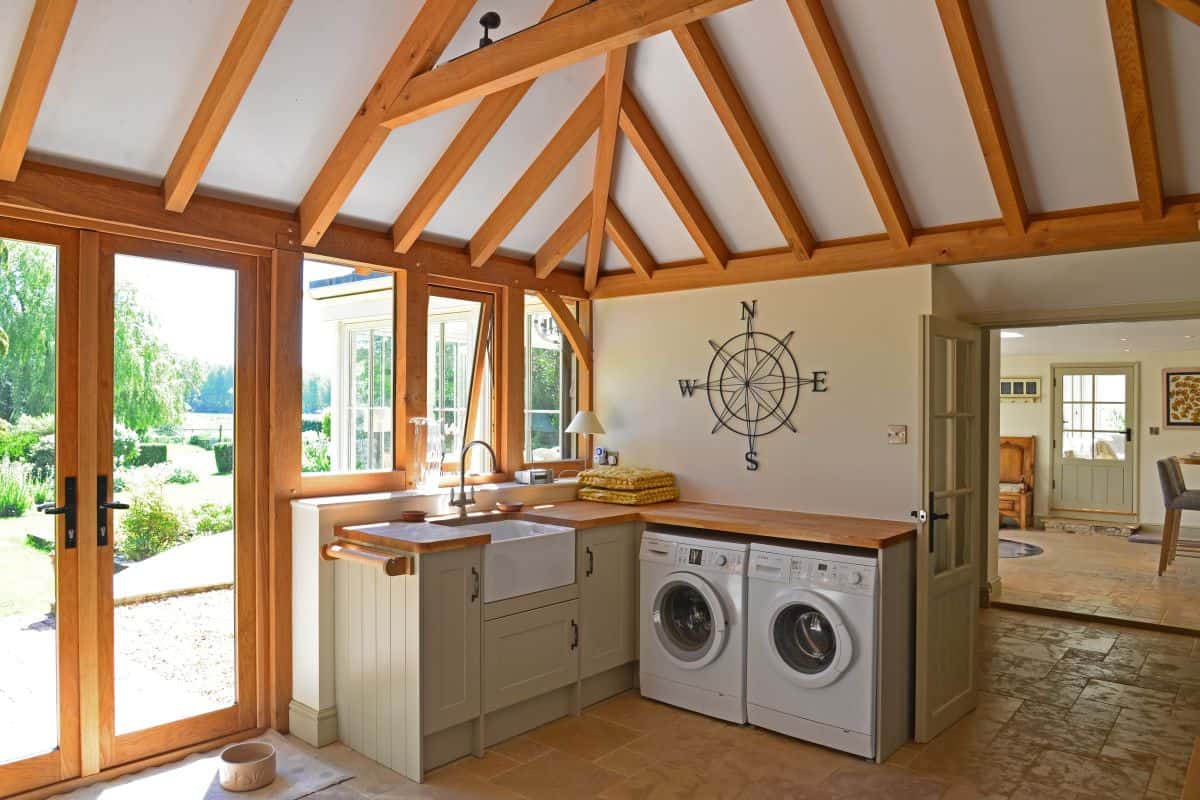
(529, 654)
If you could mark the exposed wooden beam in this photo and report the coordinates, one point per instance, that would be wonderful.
(592, 29)
(1188, 9)
(985, 111)
(253, 36)
(469, 142)
(1135, 94)
(708, 66)
(1085, 229)
(628, 242)
(538, 177)
(570, 328)
(835, 74)
(35, 63)
(426, 38)
(61, 196)
(646, 141)
(606, 152)
(563, 240)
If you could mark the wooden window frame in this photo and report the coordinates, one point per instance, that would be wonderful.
(581, 389)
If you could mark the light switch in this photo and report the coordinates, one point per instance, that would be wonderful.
(897, 434)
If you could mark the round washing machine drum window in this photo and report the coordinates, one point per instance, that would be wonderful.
(689, 621)
(805, 639)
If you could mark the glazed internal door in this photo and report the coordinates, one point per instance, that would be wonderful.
(1095, 449)
(947, 575)
(39, 554)
(169, 511)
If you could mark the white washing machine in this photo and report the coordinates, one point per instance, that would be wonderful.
(811, 646)
(693, 627)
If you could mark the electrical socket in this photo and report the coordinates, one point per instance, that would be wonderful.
(897, 434)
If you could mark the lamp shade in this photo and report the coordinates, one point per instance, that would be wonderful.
(585, 422)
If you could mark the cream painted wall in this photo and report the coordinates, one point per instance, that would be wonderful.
(1033, 419)
(863, 328)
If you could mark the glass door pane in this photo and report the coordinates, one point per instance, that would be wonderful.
(174, 457)
(29, 623)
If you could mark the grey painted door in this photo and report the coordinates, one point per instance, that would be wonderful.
(1094, 424)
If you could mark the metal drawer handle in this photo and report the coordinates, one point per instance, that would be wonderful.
(574, 634)
(591, 557)
(475, 591)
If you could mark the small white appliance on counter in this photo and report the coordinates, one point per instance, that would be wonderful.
(535, 475)
(693, 627)
(811, 651)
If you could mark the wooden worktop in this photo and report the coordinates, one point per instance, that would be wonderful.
(796, 526)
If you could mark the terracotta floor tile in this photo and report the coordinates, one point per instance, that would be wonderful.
(873, 782)
(586, 736)
(624, 761)
(633, 711)
(491, 765)
(520, 748)
(557, 775)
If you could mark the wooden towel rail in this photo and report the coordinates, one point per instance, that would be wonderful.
(392, 565)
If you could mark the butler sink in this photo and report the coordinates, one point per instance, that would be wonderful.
(525, 557)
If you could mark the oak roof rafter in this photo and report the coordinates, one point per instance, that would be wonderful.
(31, 75)
(428, 35)
(1188, 9)
(260, 22)
(606, 152)
(838, 81)
(709, 68)
(1135, 96)
(563, 239)
(622, 234)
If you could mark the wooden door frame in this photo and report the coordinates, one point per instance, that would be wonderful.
(63, 762)
(1135, 423)
(104, 748)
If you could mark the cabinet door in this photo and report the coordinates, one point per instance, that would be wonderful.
(530, 653)
(451, 614)
(608, 595)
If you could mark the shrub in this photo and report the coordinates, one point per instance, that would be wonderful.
(39, 544)
(150, 454)
(39, 425)
(150, 526)
(182, 476)
(15, 446)
(327, 425)
(200, 440)
(41, 458)
(314, 425)
(213, 518)
(15, 494)
(125, 444)
(120, 479)
(223, 453)
(314, 453)
(43, 491)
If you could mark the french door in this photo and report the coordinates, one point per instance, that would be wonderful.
(153, 623)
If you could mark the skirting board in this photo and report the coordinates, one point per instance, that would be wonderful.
(317, 728)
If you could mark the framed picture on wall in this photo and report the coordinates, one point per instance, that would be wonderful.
(1181, 398)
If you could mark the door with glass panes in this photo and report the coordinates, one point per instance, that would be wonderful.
(1094, 460)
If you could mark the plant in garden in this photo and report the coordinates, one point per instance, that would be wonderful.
(16, 496)
(125, 444)
(314, 452)
(200, 440)
(150, 454)
(27, 315)
(151, 525)
(41, 458)
(213, 518)
(182, 476)
(223, 454)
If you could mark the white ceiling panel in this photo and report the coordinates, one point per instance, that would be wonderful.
(1172, 46)
(307, 89)
(1158, 336)
(534, 122)
(402, 164)
(934, 154)
(14, 19)
(560, 199)
(128, 81)
(1055, 75)
(679, 110)
(574, 259)
(611, 257)
(763, 49)
(647, 209)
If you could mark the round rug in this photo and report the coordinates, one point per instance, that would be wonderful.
(1010, 548)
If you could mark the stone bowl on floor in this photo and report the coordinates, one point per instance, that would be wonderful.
(247, 766)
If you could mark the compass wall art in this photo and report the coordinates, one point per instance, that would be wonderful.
(753, 384)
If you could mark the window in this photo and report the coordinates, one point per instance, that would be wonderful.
(459, 384)
(549, 386)
(348, 359)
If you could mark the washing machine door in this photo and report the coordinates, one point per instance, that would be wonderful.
(807, 638)
(688, 620)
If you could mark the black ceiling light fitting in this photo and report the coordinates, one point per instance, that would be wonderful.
(490, 22)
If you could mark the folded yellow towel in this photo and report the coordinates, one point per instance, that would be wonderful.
(626, 478)
(630, 498)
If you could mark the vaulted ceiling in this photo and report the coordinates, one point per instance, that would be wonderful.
(770, 133)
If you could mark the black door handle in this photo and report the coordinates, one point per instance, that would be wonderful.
(475, 590)
(574, 634)
(67, 509)
(933, 518)
(105, 505)
(1129, 434)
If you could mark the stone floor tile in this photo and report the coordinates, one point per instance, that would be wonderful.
(586, 736)
(873, 782)
(1127, 696)
(624, 761)
(520, 748)
(557, 775)
(1095, 776)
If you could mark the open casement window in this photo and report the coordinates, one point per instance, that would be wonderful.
(551, 385)
(459, 391)
(349, 376)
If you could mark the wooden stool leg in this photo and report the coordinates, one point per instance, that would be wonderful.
(1176, 517)
(1165, 555)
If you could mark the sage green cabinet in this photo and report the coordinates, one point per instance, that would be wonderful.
(607, 571)
(530, 653)
(451, 610)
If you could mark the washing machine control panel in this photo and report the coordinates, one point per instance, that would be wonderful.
(710, 558)
(813, 572)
